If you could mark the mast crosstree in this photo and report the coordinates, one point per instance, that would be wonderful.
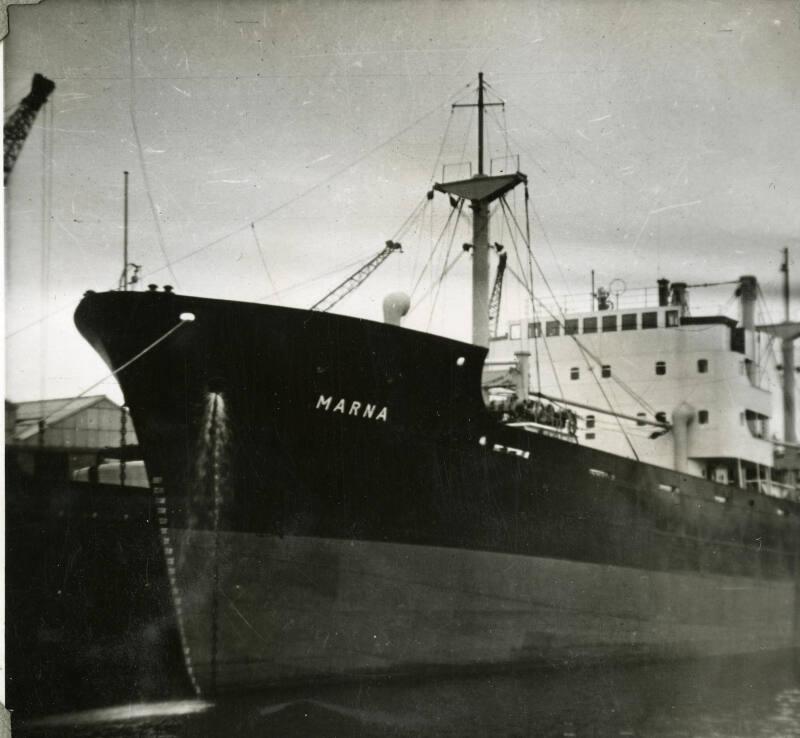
(481, 190)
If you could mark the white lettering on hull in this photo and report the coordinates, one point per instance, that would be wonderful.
(355, 407)
(501, 449)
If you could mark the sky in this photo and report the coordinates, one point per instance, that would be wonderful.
(660, 138)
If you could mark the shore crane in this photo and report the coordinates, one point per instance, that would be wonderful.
(20, 122)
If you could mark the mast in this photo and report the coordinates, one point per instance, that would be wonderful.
(787, 351)
(481, 190)
(788, 332)
(480, 123)
(480, 245)
(125, 238)
(785, 270)
(480, 272)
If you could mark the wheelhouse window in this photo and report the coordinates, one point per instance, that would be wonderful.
(534, 329)
(515, 331)
(605, 371)
(589, 422)
(702, 417)
(609, 323)
(629, 322)
(672, 319)
(590, 325)
(552, 328)
(702, 366)
(661, 368)
(649, 320)
(571, 327)
(574, 373)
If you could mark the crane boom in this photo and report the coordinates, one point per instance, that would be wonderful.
(497, 291)
(337, 294)
(20, 122)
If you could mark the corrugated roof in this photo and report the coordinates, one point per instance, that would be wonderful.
(30, 413)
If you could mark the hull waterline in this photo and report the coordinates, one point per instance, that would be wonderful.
(337, 501)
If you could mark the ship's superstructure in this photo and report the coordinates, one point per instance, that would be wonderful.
(709, 377)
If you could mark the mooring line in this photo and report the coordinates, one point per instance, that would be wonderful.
(113, 373)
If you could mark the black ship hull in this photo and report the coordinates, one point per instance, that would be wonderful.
(335, 500)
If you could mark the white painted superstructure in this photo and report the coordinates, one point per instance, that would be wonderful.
(659, 363)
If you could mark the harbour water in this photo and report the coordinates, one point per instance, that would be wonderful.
(734, 698)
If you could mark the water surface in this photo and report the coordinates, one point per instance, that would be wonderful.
(745, 697)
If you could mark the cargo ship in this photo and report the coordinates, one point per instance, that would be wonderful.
(339, 498)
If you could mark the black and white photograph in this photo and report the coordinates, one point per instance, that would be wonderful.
(402, 368)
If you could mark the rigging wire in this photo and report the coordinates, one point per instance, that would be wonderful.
(608, 172)
(418, 231)
(552, 363)
(567, 143)
(530, 156)
(140, 152)
(311, 280)
(585, 350)
(114, 372)
(608, 402)
(505, 208)
(263, 260)
(313, 188)
(441, 146)
(445, 272)
(267, 214)
(433, 250)
(420, 207)
(466, 134)
(586, 353)
(713, 284)
(769, 350)
(282, 291)
(501, 127)
(539, 268)
(445, 269)
(634, 395)
(41, 319)
(530, 278)
(528, 285)
(550, 245)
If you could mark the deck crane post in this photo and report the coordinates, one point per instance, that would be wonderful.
(20, 122)
(497, 292)
(337, 294)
